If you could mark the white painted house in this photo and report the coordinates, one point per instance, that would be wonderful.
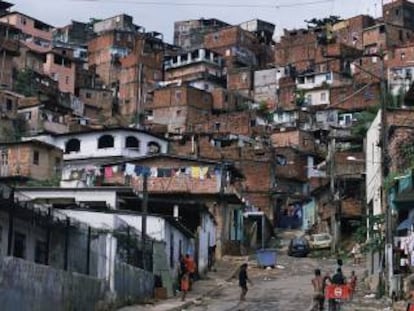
(117, 142)
(313, 80)
(101, 208)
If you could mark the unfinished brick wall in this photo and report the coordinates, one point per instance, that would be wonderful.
(287, 95)
(241, 80)
(350, 31)
(297, 139)
(346, 97)
(297, 47)
(292, 164)
(20, 161)
(399, 146)
(140, 71)
(97, 98)
(237, 123)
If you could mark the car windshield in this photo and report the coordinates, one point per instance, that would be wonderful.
(323, 237)
(299, 242)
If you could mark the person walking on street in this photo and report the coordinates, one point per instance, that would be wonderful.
(190, 267)
(243, 279)
(185, 285)
(352, 283)
(356, 253)
(318, 289)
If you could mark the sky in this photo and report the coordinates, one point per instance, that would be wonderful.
(160, 15)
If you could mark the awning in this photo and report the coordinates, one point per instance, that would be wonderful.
(405, 225)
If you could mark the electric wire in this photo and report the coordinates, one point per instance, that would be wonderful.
(209, 4)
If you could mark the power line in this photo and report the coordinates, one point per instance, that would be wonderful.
(208, 4)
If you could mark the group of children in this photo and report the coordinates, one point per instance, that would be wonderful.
(320, 283)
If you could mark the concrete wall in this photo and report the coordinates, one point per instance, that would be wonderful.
(373, 165)
(28, 286)
(132, 284)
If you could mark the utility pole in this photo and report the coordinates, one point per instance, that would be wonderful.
(144, 216)
(388, 253)
(334, 216)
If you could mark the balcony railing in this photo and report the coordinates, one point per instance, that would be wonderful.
(173, 184)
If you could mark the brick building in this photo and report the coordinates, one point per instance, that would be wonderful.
(9, 49)
(350, 31)
(400, 13)
(140, 71)
(36, 34)
(189, 34)
(201, 68)
(179, 107)
(29, 160)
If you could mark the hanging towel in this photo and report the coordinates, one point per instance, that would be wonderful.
(154, 172)
(146, 171)
(195, 172)
(129, 169)
(203, 172)
(108, 172)
(115, 168)
(138, 170)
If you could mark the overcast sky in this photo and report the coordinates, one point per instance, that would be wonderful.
(161, 17)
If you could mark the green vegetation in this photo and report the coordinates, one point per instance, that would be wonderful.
(376, 241)
(25, 83)
(52, 182)
(365, 119)
(320, 22)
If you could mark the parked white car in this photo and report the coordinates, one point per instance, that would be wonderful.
(320, 241)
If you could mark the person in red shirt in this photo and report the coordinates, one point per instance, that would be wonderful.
(352, 283)
(190, 267)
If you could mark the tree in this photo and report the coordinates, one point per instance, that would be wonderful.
(25, 83)
(320, 22)
(365, 119)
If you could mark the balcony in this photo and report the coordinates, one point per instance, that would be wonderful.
(174, 184)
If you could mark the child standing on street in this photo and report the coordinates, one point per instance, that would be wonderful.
(243, 279)
(353, 283)
(185, 284)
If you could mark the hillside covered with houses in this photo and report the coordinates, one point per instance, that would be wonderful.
(120, 152)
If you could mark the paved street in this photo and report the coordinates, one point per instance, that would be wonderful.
(285, 288)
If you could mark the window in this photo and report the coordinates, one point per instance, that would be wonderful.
(27, 115)
(178, 95)
(171, 250)
(106, 141)
(72, 145)
(132, 142)
(19, 249)
(36, 157)
(153, 147)
(118, 36)
(40, 252)
(58, 168)
(9, 104)
(323, 97)
(402, 56)
(178, 113)
(309, 99)
(217, 126)
(24, 21)
(67, 79)
(88, 95)
(4, 158)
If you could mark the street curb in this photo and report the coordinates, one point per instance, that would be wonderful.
(206, 294)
